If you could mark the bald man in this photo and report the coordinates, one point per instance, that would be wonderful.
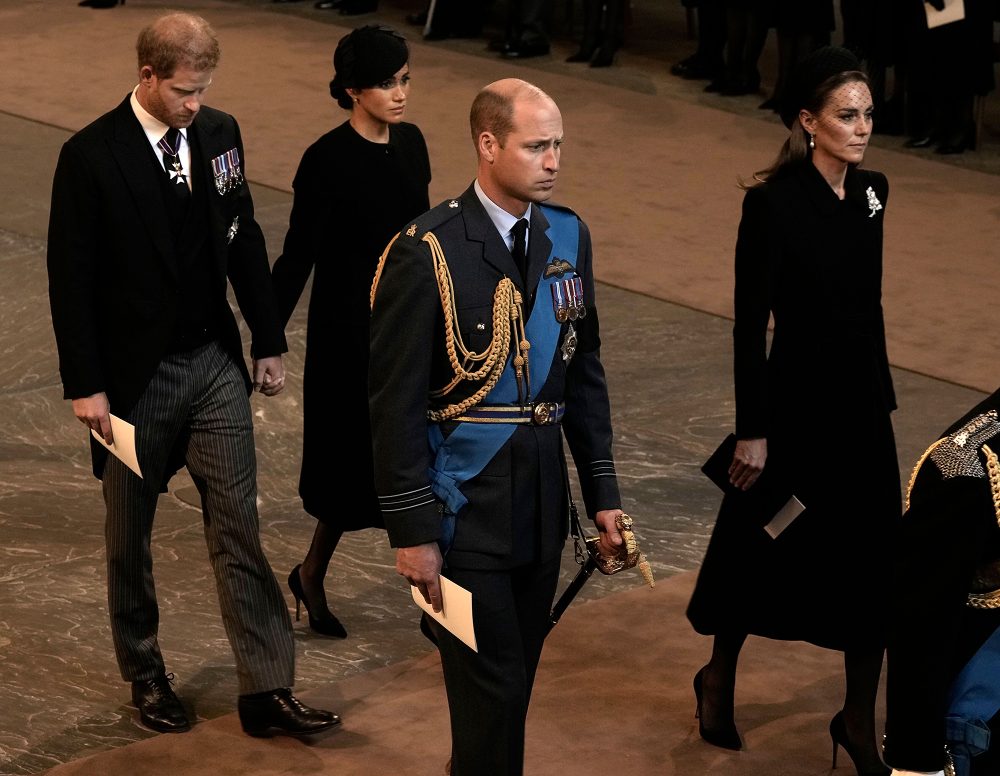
(484, 352)
(150, 214)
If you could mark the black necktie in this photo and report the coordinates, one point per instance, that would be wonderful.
(517, 250)
(170, 146)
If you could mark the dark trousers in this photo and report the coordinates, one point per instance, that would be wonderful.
(488, 691)
(196, 403)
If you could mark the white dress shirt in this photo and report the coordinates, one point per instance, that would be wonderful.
(155, 130)
(502, 220)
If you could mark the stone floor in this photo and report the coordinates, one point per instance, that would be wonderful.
(60, 695)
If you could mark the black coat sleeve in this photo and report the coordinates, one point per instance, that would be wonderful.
(587, 423)
(307, 223)
(250, 274)
(74, 282)
(404, 324)
(755, 267)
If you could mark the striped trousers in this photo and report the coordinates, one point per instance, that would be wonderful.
(196, 403)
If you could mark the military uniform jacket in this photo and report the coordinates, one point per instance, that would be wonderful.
(114, 282)
(946, 585)
(516, 507)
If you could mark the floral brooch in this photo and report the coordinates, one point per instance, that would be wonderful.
(873, 202)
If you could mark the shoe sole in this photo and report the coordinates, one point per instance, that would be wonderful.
(271, 731)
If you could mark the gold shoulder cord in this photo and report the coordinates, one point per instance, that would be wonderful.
(916, 468)
(993, 469)
(490, 363)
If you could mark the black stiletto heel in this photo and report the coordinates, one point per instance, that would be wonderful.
(838, 733)
(326, 623)
(726, 736)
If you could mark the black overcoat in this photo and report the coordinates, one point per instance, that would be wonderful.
(821, 396)
(114, 286)
(351, 197)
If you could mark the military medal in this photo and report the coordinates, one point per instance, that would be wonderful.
(578, 296)
(560, 301)
(226, 171)
(569, 343)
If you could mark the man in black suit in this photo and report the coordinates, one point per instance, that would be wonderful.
(150, 214)
(484, 350)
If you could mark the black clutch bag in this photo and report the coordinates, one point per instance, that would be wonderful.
(716, 468)
(769, 502)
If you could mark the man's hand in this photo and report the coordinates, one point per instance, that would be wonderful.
(95, 413)
(421, 565)
(269, 375)
(610, 541)
(748, 462)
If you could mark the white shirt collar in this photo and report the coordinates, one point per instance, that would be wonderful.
(502, 220)
(152, 126)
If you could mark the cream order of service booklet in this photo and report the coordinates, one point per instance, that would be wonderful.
(123, 447)
(456, 611)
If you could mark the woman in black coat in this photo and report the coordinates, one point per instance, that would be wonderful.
(814, 410)
(355, 188)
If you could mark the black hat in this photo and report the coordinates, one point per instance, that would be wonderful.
(808, 74)
(365, 57)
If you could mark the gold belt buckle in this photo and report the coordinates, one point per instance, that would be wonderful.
(544, 413)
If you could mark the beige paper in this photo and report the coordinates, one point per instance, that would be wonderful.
(124, 444)
(456, 611)
(954, 11)
(792, 509)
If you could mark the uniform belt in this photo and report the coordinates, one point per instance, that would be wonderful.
(543, 413)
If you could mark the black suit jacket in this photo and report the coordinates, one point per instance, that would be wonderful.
(114, 284)
(517, 504)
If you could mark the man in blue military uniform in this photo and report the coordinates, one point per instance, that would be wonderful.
(485, 350)
(943, 683)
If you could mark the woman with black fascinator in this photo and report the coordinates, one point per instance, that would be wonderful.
(812, 415)
(355, 188)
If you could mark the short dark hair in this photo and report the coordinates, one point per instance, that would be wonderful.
(177, 39)
(492, 111)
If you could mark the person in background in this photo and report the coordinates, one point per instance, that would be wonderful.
(809, 252)
(354, 189)
(151, 208)
(943, 688)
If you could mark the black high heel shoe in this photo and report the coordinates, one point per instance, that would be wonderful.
(325, 624)
(838, 732)
(726, 736)
(100, 3)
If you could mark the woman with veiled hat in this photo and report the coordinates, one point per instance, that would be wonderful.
(812, 414)
(355, 188)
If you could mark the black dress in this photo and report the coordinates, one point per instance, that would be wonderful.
(822, 399)
(351, 197)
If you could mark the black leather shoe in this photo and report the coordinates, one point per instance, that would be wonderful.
(924, 141)
(518, 50)
(100, 3)
(603, 57)
(327, 5)
(280, 713)
(693, 69)
(158, 707)
(417, 19)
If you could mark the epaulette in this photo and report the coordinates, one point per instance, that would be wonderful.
(432, 219)
(957, 455)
